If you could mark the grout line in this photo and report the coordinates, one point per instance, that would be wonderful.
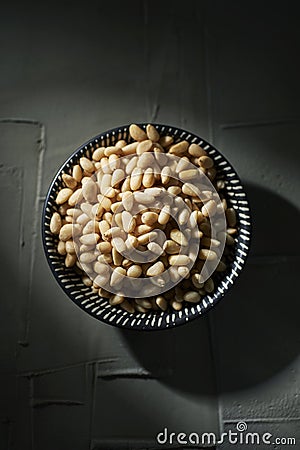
(258, 123)
(35, 234)
(264, 420)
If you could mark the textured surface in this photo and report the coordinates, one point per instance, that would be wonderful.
(223, 71)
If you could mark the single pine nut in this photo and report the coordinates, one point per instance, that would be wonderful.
(71, 247)
(116, 257)
(121, 143)
(116, 300)
(144, 303)
(98, 154)
(55, 223)
(117, 176)
(87, 281)
(63, 196)
(142, 229)
(165, 175)
(209, 209)
(144, 197)
(177, 306)
(131, 165)
(149, 218)
(171, 247)
(61, 248)
(161, 303)
(155, 269)
(206, 162)
(130, 149)
(76, 197)
(190, 189)
(104, 247)
(119, 244)
(177, 236)
(174, 190)
(146, 237)
(131, 242)
(231, 217)
(179, 149)
(144, 146)
(183, 216)
(165, 141)
(136, 179)
(87, 258)
(89, 239)
(112, 150)
(189, 174)
(117, 276)
(89, 191)
(152, 133)
(137, 133)
(196, 151)
(86, 164)
(148, 178)
(196, 280)
(155, 248)
(145, 160)
(127, 200)
(208, 242)
(210, 255)
(77, 173)
(179, 260)
(103, 227)
(70, 260)
(209, 286)
(164, 215)
(66, 232)
(128, 222)
(134, 271)
(69, 181)
(192, 297)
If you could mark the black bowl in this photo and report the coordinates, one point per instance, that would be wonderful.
(70, 281)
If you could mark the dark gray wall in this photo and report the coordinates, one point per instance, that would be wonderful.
(228, 71)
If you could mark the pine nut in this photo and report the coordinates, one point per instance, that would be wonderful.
(161, 303)
(209, 286)
(127, 306)
(177, 236)
(155, 248)
(179, 260)
(155, 269)
(70, 260)
(179, 149)
(149, 218)
(209, 209)
(98, 154)
(87, 258)
(136, 179)
(66, 232)
(89, 239)
(190, 189)
(104, 247)
(55, 223)
(166, 141)
(134, 271)
(165, 175)
(144, 146)
(112, 150)
(206, 162)
(130, 149)
(117, 276)
(70, 247)
(127, 200)
(196, 280)
(177, 306)
(76, 197)
(77, 173)
(189, 174)
(89, 191)
(152, 133)
(116, 300)
(63, 196)
(145, 160)
(192, 297)
(116, 257)
(207, 254)
(137, 133)
(164, 215)
(61, 248)
(196, 151)
(148, 178)
(86, 164)
(69, 181)
(231, 217)
(119, 244)
(128, 222)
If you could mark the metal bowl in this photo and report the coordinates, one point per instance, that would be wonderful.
(98, 307)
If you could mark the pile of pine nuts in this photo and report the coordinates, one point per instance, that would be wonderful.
(93, 234)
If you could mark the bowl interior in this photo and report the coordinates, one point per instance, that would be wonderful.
(98, 307)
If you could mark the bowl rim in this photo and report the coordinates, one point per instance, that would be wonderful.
(167, 323)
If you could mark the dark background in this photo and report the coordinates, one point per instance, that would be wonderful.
(226, 70)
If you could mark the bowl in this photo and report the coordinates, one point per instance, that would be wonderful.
(98, 307)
